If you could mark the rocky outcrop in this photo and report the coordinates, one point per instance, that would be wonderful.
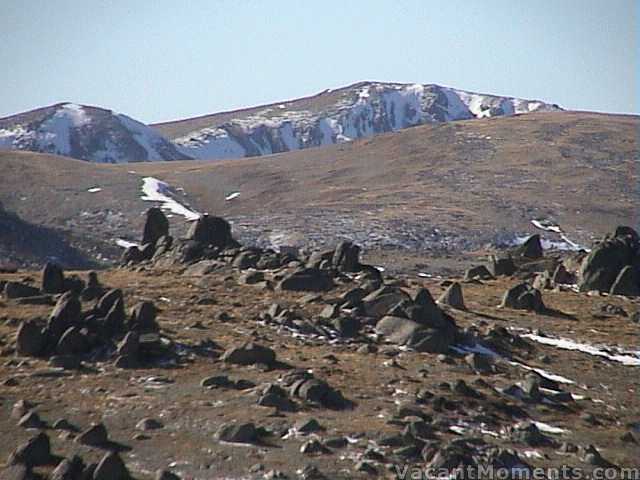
(607, 263)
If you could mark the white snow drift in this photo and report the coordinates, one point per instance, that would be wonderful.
(155, 190)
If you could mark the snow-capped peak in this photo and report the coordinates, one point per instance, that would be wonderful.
(335, 116)
(86, 133)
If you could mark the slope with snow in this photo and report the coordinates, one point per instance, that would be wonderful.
(358, 111)
(85, 133)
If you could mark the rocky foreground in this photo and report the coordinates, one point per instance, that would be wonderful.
(201, 358)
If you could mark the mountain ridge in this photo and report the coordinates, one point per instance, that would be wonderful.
(332, 116)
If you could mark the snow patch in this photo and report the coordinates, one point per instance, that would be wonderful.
(546, 428)
(615, 354)
(121, 242)
(231, 196)
(158, 191)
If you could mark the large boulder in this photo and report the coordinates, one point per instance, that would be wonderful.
(212, 231)
(346, 257)
(73, 342)
(627, 283)
(403, 331)
(111, 467)
(531, 248)
(503, 265)
(143, 317)
(52, 278)
(379, 302)
(30, 340)
(249, 354)
(306, 280)
(19, 290)
(452, 297)
(156, 226)
(523, 297)
(600, 269)
(108, 300)
(34, 452)
(479, 272)
(131, 254)
(65, 314)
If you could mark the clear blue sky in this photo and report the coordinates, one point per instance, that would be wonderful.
(160, 60)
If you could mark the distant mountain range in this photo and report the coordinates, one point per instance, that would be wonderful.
(332, 116)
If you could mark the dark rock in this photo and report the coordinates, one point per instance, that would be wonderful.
(37, 300)
(246, 259)
(237, 433)
(149, 424)
(531, 248)
(479, 363)
(319, 392)
(452, 297)
(34, 452)
(156, 226)
(600, 269)
(63, 424)
(30, 340)
(130, 345)
(346, 257)
(403, 331)
(115, 317)
(314, 447)
(165, 475)
(131, 254)
(108, 300)
(111, 467)
(93, 289)
(627, 283)
(19, 290)
(249, 354)
(66, 362)
(147, 251)
(212, 231)
(479, 272)
(143, 318)
(73, 342)
(251, 278)
(126, 362)
(336, 442)
(65, 314)
(499, 266)
(378, 303)
(306, 280)
(95, 436)
(523, 297)
(562, 276)
(69, 469)
(307, 425)
(529, 434)
(52, 278)
(31, 419)
(346, 326)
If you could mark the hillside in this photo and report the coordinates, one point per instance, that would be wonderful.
(452, 187)
(335, 116)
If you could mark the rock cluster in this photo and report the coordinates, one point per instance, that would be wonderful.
(76, 332)
(613, 264)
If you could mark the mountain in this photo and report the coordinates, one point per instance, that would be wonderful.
(330, 117)
(85, 133)
(335, 116)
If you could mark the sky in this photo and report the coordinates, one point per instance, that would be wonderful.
(163, 60)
